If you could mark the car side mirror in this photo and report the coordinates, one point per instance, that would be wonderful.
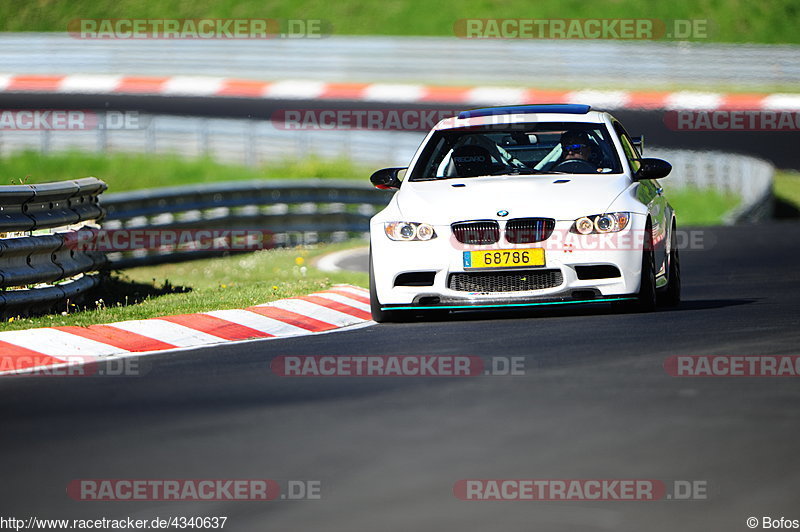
(386, 178)
(652, 169)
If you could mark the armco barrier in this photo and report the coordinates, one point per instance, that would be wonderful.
(39, 266)
(310, 211)
(747, 177)
(289, 211)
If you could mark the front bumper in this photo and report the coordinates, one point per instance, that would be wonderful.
(564, 251)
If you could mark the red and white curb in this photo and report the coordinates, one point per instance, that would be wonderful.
(389, 93)
(325, 311)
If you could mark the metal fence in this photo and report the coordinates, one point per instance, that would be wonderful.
(429, 60)
(740, 175)
(236, 141)
(46, 241)
(302, 212)
(202, 220)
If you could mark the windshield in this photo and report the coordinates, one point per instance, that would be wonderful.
(521, 148)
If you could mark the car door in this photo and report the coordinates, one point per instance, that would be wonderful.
(651, 194)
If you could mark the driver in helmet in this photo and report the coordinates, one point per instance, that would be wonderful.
(576, 146)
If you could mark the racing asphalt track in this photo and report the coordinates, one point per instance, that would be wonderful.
(595, 402)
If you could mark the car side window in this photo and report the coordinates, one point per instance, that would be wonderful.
(627, 145)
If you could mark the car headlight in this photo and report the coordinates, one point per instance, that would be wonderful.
(610, 222)
(408, 231)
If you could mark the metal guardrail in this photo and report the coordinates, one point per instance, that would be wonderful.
(740, 175)
(432, 60)
(291, 211)
(235, 141)
(309, 211)
(41, 263)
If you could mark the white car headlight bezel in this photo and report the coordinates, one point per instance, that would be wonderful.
(600, 224)
(420, 231)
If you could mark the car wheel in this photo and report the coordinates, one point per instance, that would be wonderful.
(645, 300)
(671, 296)
(378, 315)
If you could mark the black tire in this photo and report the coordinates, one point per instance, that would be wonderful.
(646, 298)
(378, 315)
(671, 296)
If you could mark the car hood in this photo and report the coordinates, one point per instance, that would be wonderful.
(562, 197)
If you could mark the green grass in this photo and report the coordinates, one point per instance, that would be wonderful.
(134, 171)
(772, 21)
(787, 187)
(197, 286)
(701, 207)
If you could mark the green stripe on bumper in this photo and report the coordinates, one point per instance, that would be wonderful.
(505, 305)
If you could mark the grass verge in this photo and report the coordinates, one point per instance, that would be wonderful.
(786, 188)
(729, 21)
(700, 206)
(131, 171)
(213, 284)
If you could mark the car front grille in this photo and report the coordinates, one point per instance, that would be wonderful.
(529, 230)
(478, 232)
(511, 281)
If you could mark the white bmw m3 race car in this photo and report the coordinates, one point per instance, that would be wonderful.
(523, 206)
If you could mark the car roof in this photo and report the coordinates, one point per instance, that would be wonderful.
(515, 114)
(568, 108)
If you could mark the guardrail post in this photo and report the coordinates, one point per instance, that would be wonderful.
(150, 137)
(250, 156)
(102, 134)
(204, 141)
(44, 139)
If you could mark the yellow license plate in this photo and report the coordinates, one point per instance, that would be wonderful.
(504, 258)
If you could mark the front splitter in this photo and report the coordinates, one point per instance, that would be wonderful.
(508, 305)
